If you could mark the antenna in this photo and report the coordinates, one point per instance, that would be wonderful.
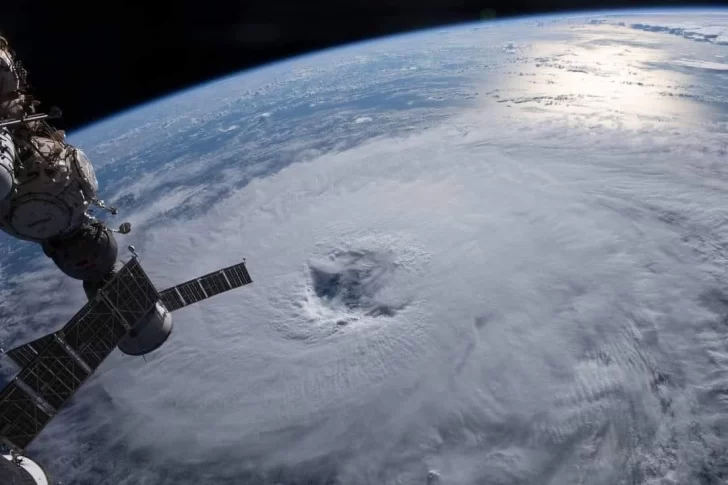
(133, 252)
(101, 204)
(54, 112)
(124, 228)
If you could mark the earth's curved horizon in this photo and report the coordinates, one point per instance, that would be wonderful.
(492, 253)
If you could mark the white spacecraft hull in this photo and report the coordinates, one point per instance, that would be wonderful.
(149, 333)
(52, 190)
(22, 471)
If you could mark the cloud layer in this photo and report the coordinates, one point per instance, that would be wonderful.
(501, 295)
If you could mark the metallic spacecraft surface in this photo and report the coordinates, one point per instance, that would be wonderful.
(21, 470)
(126, 312)
(53, 186)
(47, 188)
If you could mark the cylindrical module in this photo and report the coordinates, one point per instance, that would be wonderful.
(21, 471)
(89, 254)
(7, 161)
(54, 186)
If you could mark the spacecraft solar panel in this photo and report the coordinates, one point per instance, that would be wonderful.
(206, 286)
(131, 292)
(237, 275)
(56, 365)
(21, 419)
(94, 333)
(171, 299)
(191, 291)
(214, 283)
(24, 354)
(54, 375)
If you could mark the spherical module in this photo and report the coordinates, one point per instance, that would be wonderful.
(88, 254)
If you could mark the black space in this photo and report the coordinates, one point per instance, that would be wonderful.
(93, 59)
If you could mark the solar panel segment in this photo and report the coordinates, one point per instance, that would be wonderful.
(205, 287)
(56, 365)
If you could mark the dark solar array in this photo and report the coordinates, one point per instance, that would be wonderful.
(24, 354)
(94, 334)
(56, 365)
(54, 375)
(205, 287)
(131, 292)
(171, 300)
(214, 283)
(191, 292)
(20, 418)
(54, 371)
(238, 275)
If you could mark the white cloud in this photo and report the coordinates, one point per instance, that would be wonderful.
(715, 34)
(558, 280)
(713, 66)
(545, 292)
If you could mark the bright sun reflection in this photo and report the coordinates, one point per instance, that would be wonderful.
(630, 76)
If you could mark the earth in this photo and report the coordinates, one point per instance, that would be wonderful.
(492, 253)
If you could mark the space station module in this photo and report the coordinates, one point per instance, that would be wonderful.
(46, 185)
(14, 100)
